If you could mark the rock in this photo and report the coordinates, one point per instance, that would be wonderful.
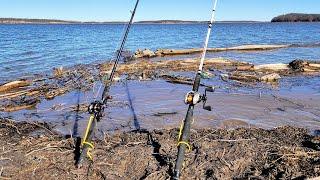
(116, 78)
(206, 75)
(224, 77)
(298, 65)
(270, 77)
(126, 55)
(144, 53)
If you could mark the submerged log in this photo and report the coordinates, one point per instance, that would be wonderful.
(19, 93)
(243, 77)
(272, 67)
(14, 85)
(252, 47)
(13, 108)
(254, 77)
(180, 80)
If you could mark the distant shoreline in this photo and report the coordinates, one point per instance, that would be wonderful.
(54, 21)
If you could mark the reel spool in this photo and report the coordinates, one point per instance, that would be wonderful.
(193, 98)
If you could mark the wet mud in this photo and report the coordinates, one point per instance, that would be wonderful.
(36, 151)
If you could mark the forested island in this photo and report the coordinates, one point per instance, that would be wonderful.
(297, 17)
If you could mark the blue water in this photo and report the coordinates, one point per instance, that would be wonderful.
(29, 49)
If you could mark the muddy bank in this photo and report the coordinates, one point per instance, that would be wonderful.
(34, 150)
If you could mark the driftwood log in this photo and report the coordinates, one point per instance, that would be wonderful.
(147, 53)
(14, 85)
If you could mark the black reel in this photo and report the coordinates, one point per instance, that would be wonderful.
(193, 98)
(96, 108)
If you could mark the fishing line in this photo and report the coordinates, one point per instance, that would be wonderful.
(112, 60)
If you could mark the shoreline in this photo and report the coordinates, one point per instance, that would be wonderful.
(35, 150)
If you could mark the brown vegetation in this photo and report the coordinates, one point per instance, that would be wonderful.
(33, 150)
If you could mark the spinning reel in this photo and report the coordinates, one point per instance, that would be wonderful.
(193, 98)
(96, 108)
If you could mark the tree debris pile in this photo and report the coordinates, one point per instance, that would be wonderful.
(144, 69)
(33, 150)
(234, 70)
(27, 93)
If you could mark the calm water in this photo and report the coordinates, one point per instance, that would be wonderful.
(28, 49)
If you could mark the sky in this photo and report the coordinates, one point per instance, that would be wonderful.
(119, 10)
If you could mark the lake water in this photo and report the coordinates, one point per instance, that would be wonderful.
(28, 49)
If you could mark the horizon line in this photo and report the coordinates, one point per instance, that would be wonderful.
(116, 21)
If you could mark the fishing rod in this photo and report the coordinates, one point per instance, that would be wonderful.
(96, 108)
(192, 98)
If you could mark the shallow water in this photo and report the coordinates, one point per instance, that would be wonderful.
(28, 49)
(158, 104)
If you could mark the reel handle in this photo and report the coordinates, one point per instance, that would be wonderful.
(204, 98)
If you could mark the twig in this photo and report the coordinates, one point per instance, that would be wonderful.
(1, 177)
(47, 147)
(204, 136)
(234, 140)
(3, 159)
